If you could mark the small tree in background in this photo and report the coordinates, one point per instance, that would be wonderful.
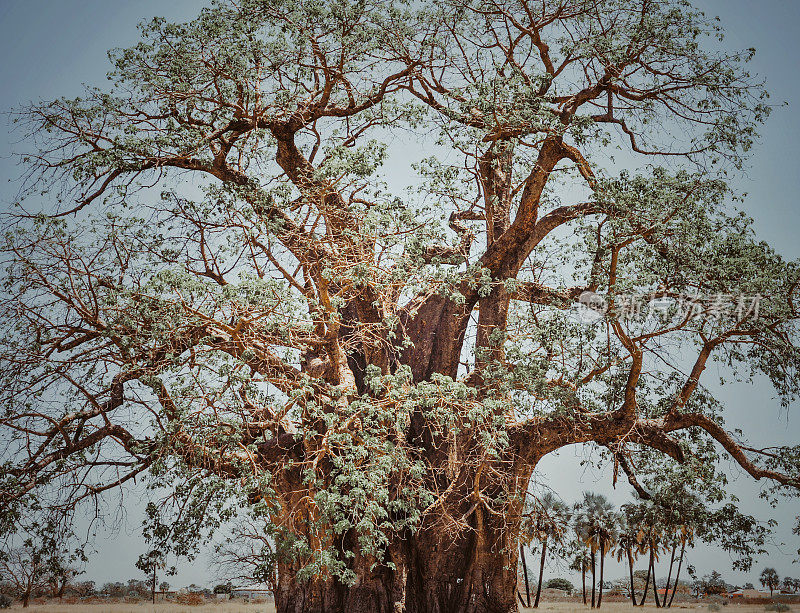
(580, 561)
(38, 555)
(247, 554)
(713, 583)
(150, 563)
(769, 578)
(790, 584)
(547, 521)
(561, 584)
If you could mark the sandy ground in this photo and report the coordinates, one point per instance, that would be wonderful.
(239, 607)
(618, 607)
(223, 607)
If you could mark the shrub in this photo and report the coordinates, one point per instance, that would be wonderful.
(561, 584)
(191, 600)
(5, 602)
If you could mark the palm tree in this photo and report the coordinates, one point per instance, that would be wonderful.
(692, 517)
(595, 525)
(580, 562)
(769, 578)
(527, 602)
(546, 521)
(645, 519)
(629, 543)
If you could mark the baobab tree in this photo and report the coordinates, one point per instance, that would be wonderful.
(222, 293)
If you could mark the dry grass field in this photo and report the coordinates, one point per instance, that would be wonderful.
(122, 607)
(240, 607)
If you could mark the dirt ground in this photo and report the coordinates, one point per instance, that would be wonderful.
(618, 607)
(230, 606)
(240, 607)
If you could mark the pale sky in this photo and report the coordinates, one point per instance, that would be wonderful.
(50, 48)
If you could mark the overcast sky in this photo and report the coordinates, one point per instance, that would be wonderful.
(49, 48)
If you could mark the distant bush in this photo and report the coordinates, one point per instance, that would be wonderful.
(561, 584)
(5, 602)
(191, 600)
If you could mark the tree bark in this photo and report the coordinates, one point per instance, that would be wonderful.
(313, 596)
(541, 574)
(475, 572)
(434, 573)
(602, 564)
(594, 563)
(583, 579)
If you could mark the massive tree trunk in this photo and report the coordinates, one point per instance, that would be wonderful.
(468, 566)
(309, 596)
(468, 575)
(439, 574)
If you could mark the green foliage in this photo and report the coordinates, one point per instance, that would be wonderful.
(561, 584)
(769, 579)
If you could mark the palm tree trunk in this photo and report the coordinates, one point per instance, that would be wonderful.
(669, 574)
(655, 585)
(677, 573)
(630, 569)
(541, 574)
(602, 564)
(525, 571)
(583, 578)
(594, 563)
(647, 580)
